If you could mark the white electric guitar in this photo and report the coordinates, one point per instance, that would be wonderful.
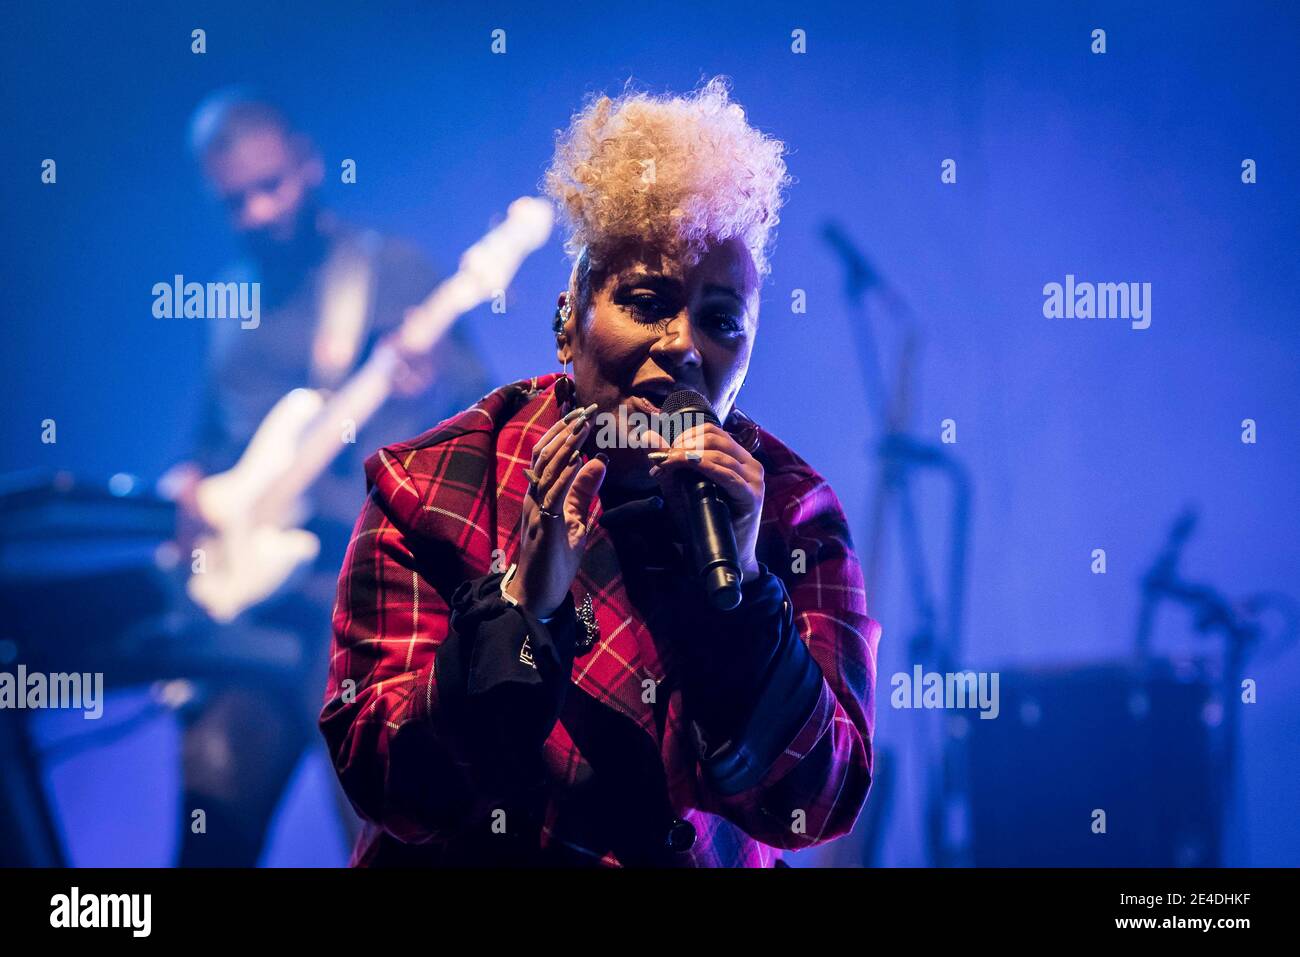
(254, 509)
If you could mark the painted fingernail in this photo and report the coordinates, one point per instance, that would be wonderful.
(603, 457)
(694, 456)
(657, 456)
(573, 415)
(656, 470)
(579, 424)
(530, 475)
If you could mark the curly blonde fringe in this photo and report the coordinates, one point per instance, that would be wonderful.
(678, 173)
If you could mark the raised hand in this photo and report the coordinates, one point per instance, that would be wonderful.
(555, 515)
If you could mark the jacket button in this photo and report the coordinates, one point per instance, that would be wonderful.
(681, 836)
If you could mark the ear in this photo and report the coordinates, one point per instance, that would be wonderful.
(565, 338)
(313, 166)
(314, 171)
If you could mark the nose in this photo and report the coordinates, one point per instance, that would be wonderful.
(676, 348)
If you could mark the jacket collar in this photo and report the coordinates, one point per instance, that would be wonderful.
(613, 671)
(626, 655)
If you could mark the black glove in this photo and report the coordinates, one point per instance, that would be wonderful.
(749, 683)
(502, 677)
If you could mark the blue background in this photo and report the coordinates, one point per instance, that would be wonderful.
(1078, 435)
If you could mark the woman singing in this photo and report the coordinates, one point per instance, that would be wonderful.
(526, 671)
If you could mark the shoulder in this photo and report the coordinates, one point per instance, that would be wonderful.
(399, 256)
(453, 461)
(400, 274)
(388, 254)
(796, 494)
(808, 543)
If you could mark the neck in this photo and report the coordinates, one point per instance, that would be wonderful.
(617, 490)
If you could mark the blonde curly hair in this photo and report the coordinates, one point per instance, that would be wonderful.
(675, 172)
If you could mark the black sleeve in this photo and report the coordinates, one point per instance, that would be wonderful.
(749, 684)
(502, 677)
(213, 449)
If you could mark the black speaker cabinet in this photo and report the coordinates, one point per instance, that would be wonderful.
(1134, 743)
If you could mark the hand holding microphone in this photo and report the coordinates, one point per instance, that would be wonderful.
(719, 487)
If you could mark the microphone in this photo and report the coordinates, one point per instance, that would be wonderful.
(707, 514)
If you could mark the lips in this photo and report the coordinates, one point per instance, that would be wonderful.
(654, 393)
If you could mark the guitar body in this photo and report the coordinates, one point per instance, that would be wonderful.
(227, 498)
(249, 556)
(246, 565)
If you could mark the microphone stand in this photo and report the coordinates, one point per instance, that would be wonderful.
(902, 455)
(1212, 611)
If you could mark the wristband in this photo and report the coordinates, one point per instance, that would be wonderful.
(506, 579)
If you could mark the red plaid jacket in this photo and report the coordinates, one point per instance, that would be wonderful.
(439, 506)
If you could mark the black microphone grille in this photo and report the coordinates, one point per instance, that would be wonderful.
(684, 409)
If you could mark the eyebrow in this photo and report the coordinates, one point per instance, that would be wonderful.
(658, 279)
(649, 279)
(724, 290)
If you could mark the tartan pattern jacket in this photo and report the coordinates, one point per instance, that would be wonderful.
(445, 508)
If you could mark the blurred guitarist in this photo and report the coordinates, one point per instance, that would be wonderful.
(329, 292)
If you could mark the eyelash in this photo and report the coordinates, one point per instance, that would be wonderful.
(647, 307)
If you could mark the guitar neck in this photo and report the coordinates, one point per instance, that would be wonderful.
(485, 271)
(344, 415)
